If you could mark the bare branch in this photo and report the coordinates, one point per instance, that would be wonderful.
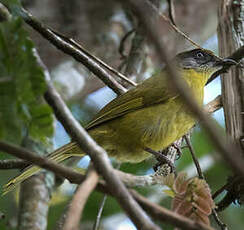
(27, 155)
(159, 213)
(165, 215)
(71, 48)
(99, 214)
(175, 28)
(222, 225)
(171, 11)
(71, 175)
(79, 200)
(137, 53)
(193, 155)
(214, 105)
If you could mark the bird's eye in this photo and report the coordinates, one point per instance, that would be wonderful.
(200, 55)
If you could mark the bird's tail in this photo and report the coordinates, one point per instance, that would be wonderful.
(69, 150)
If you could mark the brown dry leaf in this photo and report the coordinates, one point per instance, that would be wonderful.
(192, 198)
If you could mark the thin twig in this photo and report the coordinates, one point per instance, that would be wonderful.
(101, 207)
(122, 43)
(177, 30)
(93, 57)
(45, 31)
(71, 48)
(201, 176)
(99, 214)
(171, 11)
(193, 155)
(222, 225)
(79, 199)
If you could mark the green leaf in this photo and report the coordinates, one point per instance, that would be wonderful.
(22, 84)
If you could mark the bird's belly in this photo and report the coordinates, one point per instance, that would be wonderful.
(156, 127)
(164, 130)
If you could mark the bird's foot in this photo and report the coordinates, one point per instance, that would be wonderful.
(179, 151)
(161, 158)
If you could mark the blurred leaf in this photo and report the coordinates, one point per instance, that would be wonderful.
(22, 85)
(169, 192)
(192, 198)
(10, 2)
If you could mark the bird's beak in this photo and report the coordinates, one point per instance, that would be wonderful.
(226, 62)
(222, 66)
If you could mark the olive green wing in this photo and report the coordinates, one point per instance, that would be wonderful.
(150, 92)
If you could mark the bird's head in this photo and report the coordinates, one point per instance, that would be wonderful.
(203, 62)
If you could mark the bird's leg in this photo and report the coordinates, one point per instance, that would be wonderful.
(178, 148)
(162, 159)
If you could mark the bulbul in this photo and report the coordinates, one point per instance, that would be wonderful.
(151, 115)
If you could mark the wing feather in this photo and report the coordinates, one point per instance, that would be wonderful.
(150, 92)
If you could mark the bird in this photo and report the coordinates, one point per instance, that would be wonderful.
(149, 116)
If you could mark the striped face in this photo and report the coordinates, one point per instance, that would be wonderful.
(200, 60)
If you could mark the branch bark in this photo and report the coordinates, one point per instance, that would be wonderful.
(159, 213)
(231, 37)
(79, 200)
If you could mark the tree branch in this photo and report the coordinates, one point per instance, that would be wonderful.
(164, 215)
(160, 213)
(171, 11)
(74, 177)
(79, 200)
(214, 105)
(71, 48)
(42, 162)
